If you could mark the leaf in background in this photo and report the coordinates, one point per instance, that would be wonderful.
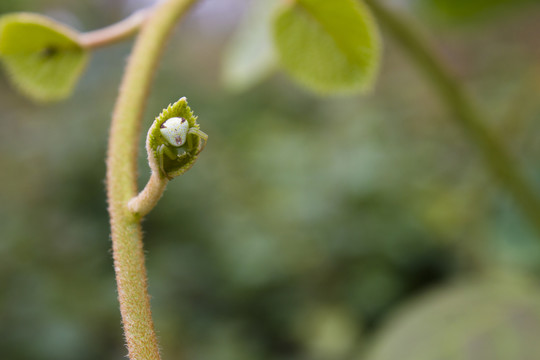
(495, 318)
(250, 56)
(43, 58)
(329, 46)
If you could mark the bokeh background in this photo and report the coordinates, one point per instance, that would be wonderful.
(307, 223)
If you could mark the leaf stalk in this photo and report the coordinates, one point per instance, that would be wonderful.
(467, 114)
(115, 32)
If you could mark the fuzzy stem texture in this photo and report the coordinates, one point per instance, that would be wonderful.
(149, 196)
(122, 179)
(467, 116)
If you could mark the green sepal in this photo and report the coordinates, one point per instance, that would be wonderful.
(329, 46)
(172, 168)
(43, 58)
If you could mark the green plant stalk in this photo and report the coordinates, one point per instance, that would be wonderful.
(116, 32)
(467, 115)
(122, 179)
(149, 196)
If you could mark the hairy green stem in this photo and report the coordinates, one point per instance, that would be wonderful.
(470, 118)
(116, 32)
(122, 179)
(147, 199)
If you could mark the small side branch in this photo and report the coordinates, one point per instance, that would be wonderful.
(116, 32)
(147, 199)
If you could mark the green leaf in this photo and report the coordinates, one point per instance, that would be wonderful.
(493, 318)
(42, 57)
(171, 168)
(329, 46)
(250, 56)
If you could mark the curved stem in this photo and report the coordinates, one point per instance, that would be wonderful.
(121, 180)
(116, 32)
(149, 196)
(471, 119)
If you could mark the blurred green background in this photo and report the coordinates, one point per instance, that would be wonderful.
(307, 221)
